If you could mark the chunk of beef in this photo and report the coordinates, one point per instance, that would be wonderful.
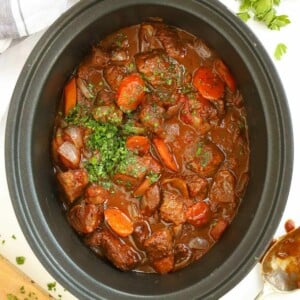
(183, 255)
(96, 194)
(119, 55)
(98, 59)
(84, 217)
(223, 187)
(147, 37)
(114, 74)
(141, 232)
(108, 114)
(73, 183)
(105, 98)
(173, 208)
(152, 117)
(164, 265)
(171, 41)
(150, 200)
(206, 159)
(159, 244)
(197, 186)
(159, 69)
(198, 112)
(123, 256)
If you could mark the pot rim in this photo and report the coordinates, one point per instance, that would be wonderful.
(17, 162)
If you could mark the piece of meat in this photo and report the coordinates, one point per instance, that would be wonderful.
(105, 97)
(198, 112)
(123, 256)
(173, 208)
(197, 186)
(119, 55)
(141, 232)
(73, 183)
(147, 38)
(113, 75)
(206, 159)
(182, 256)
(152, 117)
(223, 187)
(150, 200)
(98, 59)
(171, 41)
(96, 194)
(84, 217)
(108, 114)
(159, 69)
(164, 265)
(159, 244)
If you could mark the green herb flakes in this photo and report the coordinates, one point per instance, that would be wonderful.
(280, 50)
(51, 286)
(263, 11)
(13, 237)
(20, 260)
(11, 297)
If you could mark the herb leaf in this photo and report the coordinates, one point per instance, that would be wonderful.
(20, 260)
(280, 50)
(244, 16)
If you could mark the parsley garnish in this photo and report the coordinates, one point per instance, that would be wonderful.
(51, 286)
(11, 297)
(20, 260)
(263, 11)
(280, 50)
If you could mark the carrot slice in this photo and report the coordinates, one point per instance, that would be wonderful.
(218, 229)
(131, 92)
(142, 188)
(70, 95)
(208, 84)
(198, 214)
(118, 221)
(138, 143)
(225, 74)
(165, 154)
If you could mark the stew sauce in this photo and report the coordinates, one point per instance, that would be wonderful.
(150, 148)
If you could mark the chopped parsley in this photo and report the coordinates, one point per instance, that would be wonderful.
(51, 286)
(263, 11)
(13, 237)
(22, 289)
(153, 177)
(20, 260)
(280, 50)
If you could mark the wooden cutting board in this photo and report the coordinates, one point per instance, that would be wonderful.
(15, 285)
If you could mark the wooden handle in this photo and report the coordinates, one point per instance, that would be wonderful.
(15, 283)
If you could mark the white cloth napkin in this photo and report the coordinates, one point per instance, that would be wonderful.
(19, 18)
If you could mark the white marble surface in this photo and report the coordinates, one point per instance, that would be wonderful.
(11, 63)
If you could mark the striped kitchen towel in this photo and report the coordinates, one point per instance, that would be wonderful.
(19, 18)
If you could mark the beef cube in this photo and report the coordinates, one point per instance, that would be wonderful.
(173, 208)
(150, 201)
(223, 187)
(158, 69)
(123, 256)
(114, 74)
(73, 183)
(141, 232)
(197, 186)
(84, 217)
(206, 159)
(96, 194)
(152, 117)
(159, 244)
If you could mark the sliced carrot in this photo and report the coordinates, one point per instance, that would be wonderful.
(208, 84)
(225, 74)
(70, 95)
(165, 154)
(142, 188)
(198, 214)
(118, 221)
(218, 229)
(138, 143)
(131, 92)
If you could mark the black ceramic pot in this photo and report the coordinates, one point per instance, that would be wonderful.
(30, 172)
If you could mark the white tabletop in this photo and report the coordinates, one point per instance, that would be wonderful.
(288, 67)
